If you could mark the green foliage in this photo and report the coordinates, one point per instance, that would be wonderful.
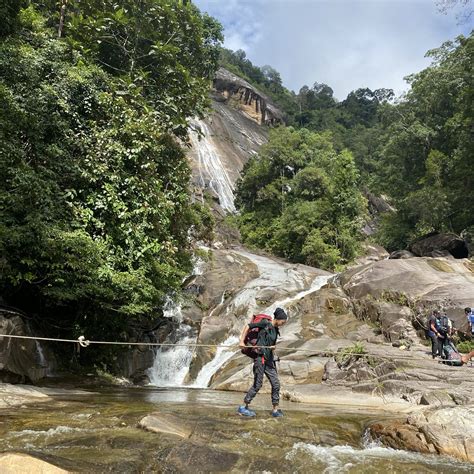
(350, 353)
(426, 161)
(465, 347)
(299, 199)
(95, 213)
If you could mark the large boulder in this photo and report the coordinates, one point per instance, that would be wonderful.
(445, 430)
(436, 245)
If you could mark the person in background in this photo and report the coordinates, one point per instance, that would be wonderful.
(433, 334)
(470, 320)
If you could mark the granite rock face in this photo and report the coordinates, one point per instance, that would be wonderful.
(415, 285)
(445, 430)
(21, 360)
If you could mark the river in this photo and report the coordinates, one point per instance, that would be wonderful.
(99, 432)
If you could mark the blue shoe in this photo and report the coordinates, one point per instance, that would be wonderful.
(277, 414)
(243, 411)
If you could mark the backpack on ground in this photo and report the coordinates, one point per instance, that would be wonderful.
(442, 325)
(252, 336)
(451, 355)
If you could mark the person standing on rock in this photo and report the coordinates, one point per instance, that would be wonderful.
(264, 362)
(433, 334)
(470, 320)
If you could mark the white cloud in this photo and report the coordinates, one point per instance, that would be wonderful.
(344, 43)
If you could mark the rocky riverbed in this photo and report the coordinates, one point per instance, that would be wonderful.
(172, 430)
(377, 307)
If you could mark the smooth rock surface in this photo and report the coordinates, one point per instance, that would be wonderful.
(16, 463)
(164, 423)
(445, 430)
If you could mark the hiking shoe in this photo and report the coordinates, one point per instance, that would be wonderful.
(277, 414)
(243, 411)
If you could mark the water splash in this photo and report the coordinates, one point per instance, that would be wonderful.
(171, 364)
(344, 458)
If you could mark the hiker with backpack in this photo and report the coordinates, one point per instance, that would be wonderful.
(433, 334)
(445, 328)
(258, 340)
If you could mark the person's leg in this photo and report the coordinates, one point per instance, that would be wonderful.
(434, 344)
(258, 371)
(272, 375)
(467, 357)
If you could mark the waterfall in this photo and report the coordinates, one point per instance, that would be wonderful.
(223, 354)
(211, 167)
(171, 364)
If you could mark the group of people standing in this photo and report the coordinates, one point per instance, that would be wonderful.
(440, 330)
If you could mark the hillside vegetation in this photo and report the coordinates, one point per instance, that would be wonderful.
(417, 150)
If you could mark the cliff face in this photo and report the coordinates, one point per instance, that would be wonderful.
(223, 142)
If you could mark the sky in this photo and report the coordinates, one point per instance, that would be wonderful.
(346, 44)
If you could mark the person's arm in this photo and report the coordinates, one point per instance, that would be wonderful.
(433, 328)
(243, 334)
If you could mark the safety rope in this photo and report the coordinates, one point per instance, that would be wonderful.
(83, 342)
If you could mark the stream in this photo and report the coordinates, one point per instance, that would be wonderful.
(99, 432)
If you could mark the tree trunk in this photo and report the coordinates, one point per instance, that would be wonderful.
(62, 14)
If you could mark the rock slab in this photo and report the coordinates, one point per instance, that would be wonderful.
(14, 463)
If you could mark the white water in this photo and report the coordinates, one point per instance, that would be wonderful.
(337, 459)
(42, 358)
(223, 354)
(211, 166)
(171, 364)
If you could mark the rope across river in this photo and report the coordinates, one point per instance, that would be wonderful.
(83, 342)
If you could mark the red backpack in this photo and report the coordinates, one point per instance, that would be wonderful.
(252, 336)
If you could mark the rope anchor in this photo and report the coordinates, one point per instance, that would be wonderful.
(83, 342)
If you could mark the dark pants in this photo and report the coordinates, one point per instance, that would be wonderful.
(269, 369)
(436, 346)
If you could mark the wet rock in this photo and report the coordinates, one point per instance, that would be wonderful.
(21, 360)
(12, 395)
(14, 463)
(167, 424)
(399, 435)
(192, 457)
(445, 430)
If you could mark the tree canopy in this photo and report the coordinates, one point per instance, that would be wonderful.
(95, 212)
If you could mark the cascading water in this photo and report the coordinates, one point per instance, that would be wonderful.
(172, 363)
(211, 168)
(224, 354)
